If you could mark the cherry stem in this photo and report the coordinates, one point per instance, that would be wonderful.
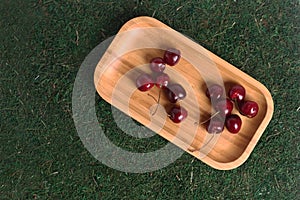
(152, 97)
(236, 103)
(215, 114)
(203, 122)
(157, 101)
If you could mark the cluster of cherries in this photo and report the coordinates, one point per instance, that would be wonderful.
(174, 91)
(224, 107)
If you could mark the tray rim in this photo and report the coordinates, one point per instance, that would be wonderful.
(246, 77)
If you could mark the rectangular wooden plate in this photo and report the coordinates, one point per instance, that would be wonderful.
(143, 38)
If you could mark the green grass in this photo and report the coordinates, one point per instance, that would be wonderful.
(41, 155)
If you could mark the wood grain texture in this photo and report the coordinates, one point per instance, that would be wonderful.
(143, 38)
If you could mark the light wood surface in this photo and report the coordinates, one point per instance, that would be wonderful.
(143, 38)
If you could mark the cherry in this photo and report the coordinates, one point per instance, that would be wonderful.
(157, 64)
(175, 92)
(162, 80)
(215, 125)
(172, 56)
(214, 92)
(177, 114)
(224, 107)
(144, 82)
(233, 123)
(248, 108)
(237, 93)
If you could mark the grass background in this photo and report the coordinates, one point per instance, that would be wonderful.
(41, 155)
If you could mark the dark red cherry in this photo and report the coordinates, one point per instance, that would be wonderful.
(157, 64)
(215, 125)
(224, 107)
(177, 114)
(162, 80)
(248, 108)
(214, 92)
(144, 82)
(172, 56)
(237, 93)
(233, 123)
(175, 92)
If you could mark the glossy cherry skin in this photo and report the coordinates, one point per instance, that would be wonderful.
(233, 123)
(144, 82)
(224, 107)
(215, 125)
(177, 114)
(172, 56)
(157, 64)
(162, 80)
(214, 92)
(175, 92)
(237, 93)
(248, 108)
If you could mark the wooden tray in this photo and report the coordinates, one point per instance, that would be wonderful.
(143, 38)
